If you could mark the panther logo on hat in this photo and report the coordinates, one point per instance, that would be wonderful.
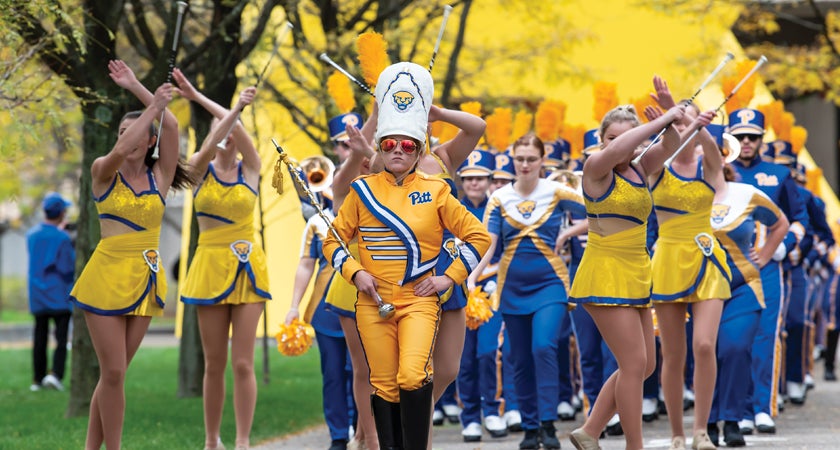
(403, 100)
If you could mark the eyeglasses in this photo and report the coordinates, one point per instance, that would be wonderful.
(344, 144)
(529, 159)
(750, 137)
(407, 145)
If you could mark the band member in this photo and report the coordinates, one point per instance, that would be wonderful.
(228, 276)
(123, 284)
(525, 218)
(688, 267)
(399, 216)
(613, 279)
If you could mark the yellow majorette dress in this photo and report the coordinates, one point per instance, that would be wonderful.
(689, 264)
(228, 267)
(615, 268)
(124, 276)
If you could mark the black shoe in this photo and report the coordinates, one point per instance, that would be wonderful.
(732, 436)
(829, 376)
(415, 406)
(614, 430)
(548, 435)
(387, 418)
(531, 440)
(338, 444)
(714, 433)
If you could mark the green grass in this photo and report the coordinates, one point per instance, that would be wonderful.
(155, 417)
(15, 308)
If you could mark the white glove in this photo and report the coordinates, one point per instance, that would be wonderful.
(780, 252)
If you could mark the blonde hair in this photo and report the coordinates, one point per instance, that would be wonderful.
(621, 113)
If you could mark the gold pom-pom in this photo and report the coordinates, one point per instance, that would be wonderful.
(499, 126)
(295, 338)
(341, 92)
(545, 121)
(521, 125)
(745, 93)
(606, 98)
(574, 134)
(373, 56)
(798, 136)
(478, 310)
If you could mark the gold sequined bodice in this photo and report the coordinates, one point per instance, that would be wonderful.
(223, 201)
(138, 210)
(623, 200)
(690, 199)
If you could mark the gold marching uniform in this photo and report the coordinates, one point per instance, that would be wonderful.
(399, 230)
(615, 268)
(689, 264)
(124, 276)
(341, 295)
(228, 268)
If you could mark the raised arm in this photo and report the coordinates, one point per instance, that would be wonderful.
(360, 149)
(455, 152)
(201, 159)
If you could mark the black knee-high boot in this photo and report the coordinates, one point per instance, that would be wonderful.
(831, 354)
(416, 419)
(387, 417)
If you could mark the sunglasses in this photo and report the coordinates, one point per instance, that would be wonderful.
(750, 137)
(407, 145)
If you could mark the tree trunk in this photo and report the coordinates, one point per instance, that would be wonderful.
(190, 351)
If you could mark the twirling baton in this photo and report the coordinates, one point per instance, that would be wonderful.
(221, 145)
(386, 310)
(326, 59)
(709, 79)
(182, 7)
(749, 74)
(446, 11)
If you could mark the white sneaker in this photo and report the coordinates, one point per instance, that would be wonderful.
(565, 411)
(577, 401)
(649, 406)
(809, 381)
(796, 392)
(747, 426)
(764, 423)
(472, 432)
(452, 412)
(35, 387)
(614, 420)
(437, 417)
(513, 420)
(50, 381)
(496, 426)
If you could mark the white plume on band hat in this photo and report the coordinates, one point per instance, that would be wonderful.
(404, 94)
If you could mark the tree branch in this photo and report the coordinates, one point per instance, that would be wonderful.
(152, 49)
(249, 44)
(452, 67)
(217, 33)
(825, 34)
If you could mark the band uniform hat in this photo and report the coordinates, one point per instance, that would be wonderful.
(479, 163)
(404, 94)
(716, 131)
(54, 204)
(557, 153)
(338, 125)
(591, 142)
(746, 121)
(767, 152)
(504, 169)
(783, 153)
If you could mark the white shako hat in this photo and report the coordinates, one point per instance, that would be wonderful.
(404, 94)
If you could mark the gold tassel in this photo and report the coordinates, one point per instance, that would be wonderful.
(341, 92)
(606, 98)
(478, 310)
(294, 339)
(373, 56)
(277, 178)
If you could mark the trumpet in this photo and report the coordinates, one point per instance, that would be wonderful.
(319, 172)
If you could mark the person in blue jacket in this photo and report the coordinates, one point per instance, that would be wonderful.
(52, 262)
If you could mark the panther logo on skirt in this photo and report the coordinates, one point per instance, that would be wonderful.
(706, 243)
(152, 258)
(242, 250)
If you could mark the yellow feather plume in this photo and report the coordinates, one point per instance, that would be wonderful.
(373, 56)
(772, 113)
(341, 92)
(798, 136)
(783, 128)
(640, 103)
(443, 131)
(574, 134)
(560, 109)
(545, 121)
(521, 125)
(499, 126)
(473, 108)
(745, 93)
(606, 98)
(812, 180)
